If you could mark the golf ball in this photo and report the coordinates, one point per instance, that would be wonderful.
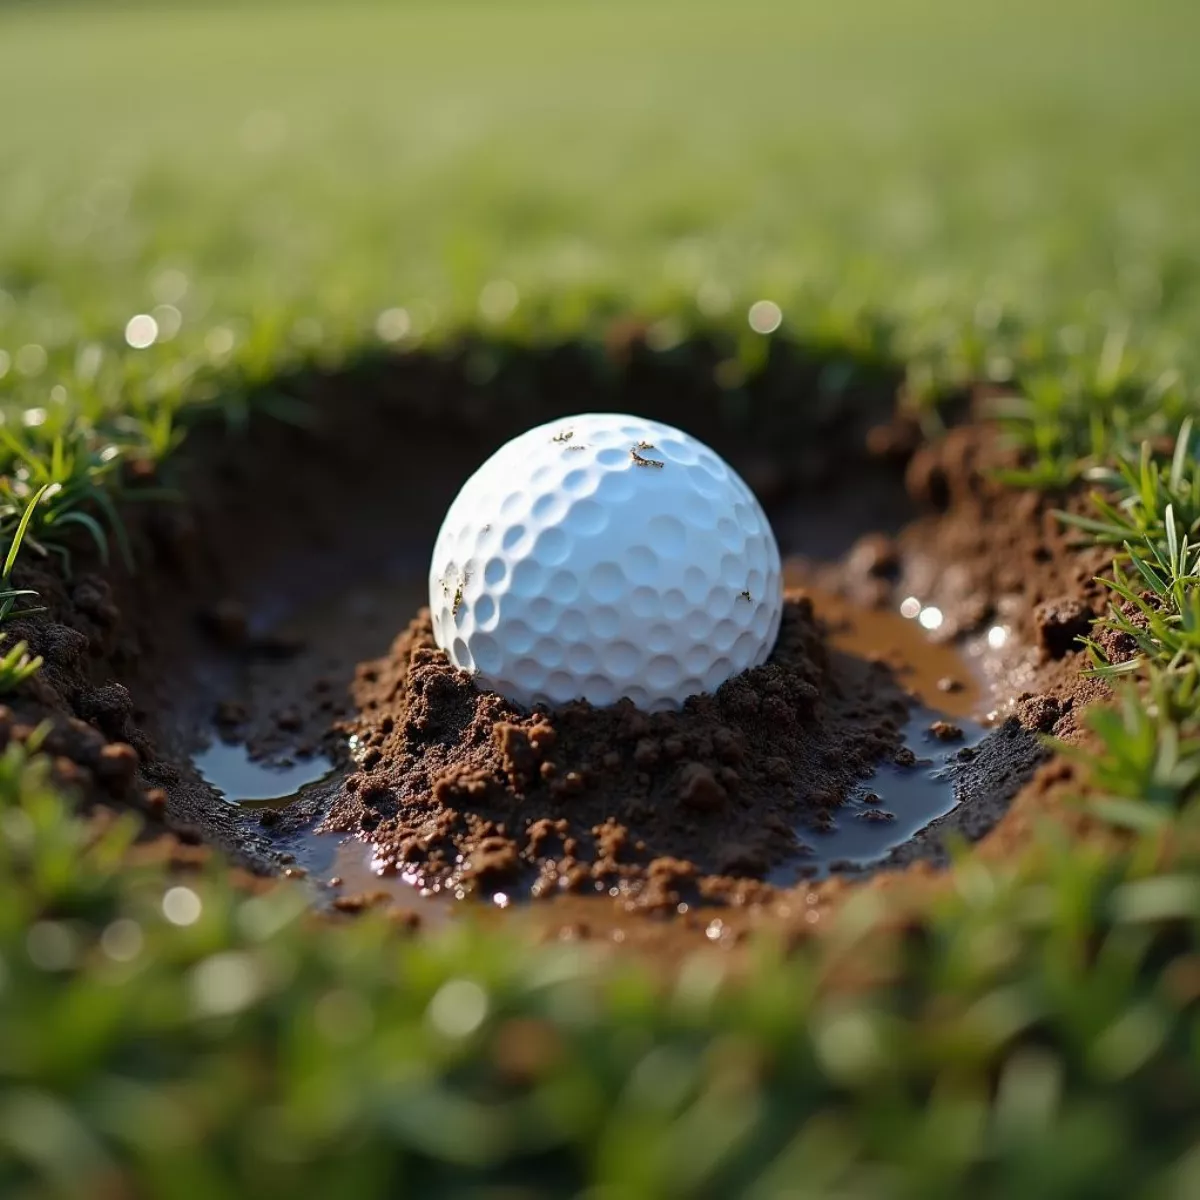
(604, 556)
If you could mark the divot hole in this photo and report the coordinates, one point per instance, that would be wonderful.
(332, 568)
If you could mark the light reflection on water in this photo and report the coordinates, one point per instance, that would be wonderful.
(907, 799)
(240, 779)
(247, 783)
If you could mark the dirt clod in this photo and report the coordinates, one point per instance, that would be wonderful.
(466, 778)
(117, 766)
(946, 731)
(1040, 713)
(1060, 623)
(699, 789)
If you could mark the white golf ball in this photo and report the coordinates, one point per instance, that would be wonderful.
(604, 556)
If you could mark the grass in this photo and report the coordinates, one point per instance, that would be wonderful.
(1151, 511)
(1029, 1029)
(16, 666)
(860, 169)
(198, 201)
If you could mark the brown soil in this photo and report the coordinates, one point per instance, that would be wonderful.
(458, 785)
(204, 640)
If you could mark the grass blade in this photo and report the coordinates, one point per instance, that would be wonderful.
(19, 536)
(1179, 458)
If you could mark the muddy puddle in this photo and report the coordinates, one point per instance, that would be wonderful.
(273, 691)
(254, 690)
(952, 708)
(271, 756)
(945, 724)
(229, 770)
(337, 867)
(227, 662)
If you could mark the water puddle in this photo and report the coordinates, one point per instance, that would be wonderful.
(897, 801)
(883, 813)
(336, 866)
(900, 798)
(239, 779)
(345, 869)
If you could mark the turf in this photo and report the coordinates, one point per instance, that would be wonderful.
(1007, 197)
(972, 196)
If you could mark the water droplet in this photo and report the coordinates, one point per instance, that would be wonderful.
(122, 940)
(141, 331)
(458, 1008)
(765, 316)
(224, 983)
(393, 324)
(181, 906)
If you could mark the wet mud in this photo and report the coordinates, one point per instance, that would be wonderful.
(253, 685)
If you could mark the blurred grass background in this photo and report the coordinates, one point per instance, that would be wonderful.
(964, 190)
(973, 190)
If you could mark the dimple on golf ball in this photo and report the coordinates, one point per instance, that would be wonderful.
(605, 556)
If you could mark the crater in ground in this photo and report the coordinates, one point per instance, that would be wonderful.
(946, 603)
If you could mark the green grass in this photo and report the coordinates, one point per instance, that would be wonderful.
(971, 197)
(1151, 511)
(1030, 1034)
(1008, 197)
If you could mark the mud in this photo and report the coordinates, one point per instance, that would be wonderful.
(461, 786)
(298, 555)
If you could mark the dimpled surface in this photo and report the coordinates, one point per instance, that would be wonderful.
(603, 556)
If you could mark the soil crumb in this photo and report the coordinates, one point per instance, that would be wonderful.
(460, 788)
